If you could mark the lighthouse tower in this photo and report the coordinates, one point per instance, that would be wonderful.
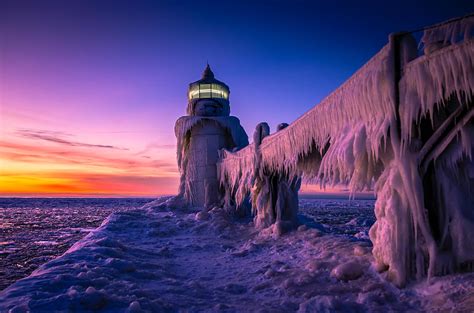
(207, 128)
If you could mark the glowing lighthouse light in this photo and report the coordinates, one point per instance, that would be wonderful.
(202, 91)
(208, 87)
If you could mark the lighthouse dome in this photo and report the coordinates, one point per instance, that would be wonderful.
(208, 96)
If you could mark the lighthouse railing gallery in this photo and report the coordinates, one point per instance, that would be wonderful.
(403, 126)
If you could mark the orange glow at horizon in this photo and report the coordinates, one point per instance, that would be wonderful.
(85, 185)
(48, 163)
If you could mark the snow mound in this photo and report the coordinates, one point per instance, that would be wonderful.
(348, 271)
(327, 304)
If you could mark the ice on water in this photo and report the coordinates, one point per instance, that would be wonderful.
(166, 259)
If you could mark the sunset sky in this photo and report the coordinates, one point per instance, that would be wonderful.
(90, 90)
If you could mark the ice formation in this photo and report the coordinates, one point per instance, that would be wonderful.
(402, 124)
(274, 195)
(452, 31)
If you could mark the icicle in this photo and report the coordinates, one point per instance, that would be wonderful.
(353, 137)
(428, 80)
(360, 111)
(449, 32)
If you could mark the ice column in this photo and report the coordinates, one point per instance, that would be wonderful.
(274, 194)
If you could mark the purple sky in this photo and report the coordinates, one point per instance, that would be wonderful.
(115, 73)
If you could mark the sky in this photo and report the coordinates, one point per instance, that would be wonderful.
(90, 90)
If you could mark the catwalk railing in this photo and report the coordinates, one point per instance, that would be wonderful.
(402, 125)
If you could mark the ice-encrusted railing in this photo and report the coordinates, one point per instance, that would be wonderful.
(403, 124)
(362, 106)
(361, 109)
(430, 80)
(424, 208)
(451, 31)
(236, 172)
(426, 192)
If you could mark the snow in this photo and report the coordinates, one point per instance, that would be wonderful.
(164, 259)
(348, 271)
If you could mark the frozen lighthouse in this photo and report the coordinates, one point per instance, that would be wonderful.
(207, 128)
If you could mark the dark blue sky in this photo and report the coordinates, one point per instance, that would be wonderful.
(278, 57)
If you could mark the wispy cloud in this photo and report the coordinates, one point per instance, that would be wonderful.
(26, 117)
(60, 138)
(68, 166)
(152, 146)
(41, 154)
(32, 169)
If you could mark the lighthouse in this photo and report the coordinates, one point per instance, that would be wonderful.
(206, 129)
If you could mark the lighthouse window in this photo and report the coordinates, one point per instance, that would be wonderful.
(208, 91)
(205, 94)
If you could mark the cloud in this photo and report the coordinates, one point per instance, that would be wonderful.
(59, 138)
(62, 156)
(31, 167)
(152, 146)
(27, 117)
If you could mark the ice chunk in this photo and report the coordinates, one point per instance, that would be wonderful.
(348, 271)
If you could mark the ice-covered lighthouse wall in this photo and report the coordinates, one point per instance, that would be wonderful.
(402, 124)
(199, 140)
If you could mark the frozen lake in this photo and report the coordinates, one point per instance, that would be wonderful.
(36, 230)
(163, 258)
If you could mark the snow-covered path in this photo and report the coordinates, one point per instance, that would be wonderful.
(163, 260)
